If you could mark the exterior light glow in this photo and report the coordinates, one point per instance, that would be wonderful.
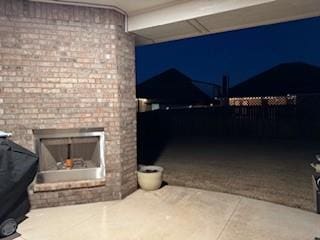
(143, 99)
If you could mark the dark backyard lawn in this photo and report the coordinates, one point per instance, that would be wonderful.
(273, 170)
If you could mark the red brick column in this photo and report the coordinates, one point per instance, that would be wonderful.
(70, 67)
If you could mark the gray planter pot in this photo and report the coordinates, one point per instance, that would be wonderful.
(150, 177)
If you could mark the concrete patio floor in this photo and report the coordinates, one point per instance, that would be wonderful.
(172, 213)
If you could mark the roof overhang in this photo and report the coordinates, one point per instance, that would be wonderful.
(155, 21)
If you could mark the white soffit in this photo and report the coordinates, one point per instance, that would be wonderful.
(187, 10)
(155, 21)
(233, 19)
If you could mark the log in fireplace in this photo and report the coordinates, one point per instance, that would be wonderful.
(70, 154)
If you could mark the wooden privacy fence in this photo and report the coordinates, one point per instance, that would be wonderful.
(289, 121)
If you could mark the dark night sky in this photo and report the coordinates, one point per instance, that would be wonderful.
(241, 54)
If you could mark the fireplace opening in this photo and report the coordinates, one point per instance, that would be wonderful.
(70, 154)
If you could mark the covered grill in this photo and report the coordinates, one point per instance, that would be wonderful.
(18, 167)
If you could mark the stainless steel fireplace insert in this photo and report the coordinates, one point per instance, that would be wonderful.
(70, 154)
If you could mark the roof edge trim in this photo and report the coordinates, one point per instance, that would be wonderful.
(87, 4)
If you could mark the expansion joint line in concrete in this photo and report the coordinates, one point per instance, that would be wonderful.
(229, 219)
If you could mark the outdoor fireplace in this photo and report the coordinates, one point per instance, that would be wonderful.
(76, 84)
(70, 154)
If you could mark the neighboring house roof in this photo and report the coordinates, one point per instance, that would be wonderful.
(172, 87)
(210, 89)
(283, 79)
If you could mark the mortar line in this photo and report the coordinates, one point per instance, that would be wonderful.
(229, 219)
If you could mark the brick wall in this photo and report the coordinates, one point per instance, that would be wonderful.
(70, 67)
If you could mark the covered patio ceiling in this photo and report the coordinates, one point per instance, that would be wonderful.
(154, 21)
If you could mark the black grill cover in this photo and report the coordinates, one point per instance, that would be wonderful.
(18, 167)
